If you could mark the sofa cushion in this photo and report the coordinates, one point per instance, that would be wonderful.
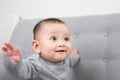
(96, 37)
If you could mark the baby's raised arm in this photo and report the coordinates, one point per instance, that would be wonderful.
(11, 52)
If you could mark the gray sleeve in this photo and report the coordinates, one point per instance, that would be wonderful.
(26, 69)
(73, 60)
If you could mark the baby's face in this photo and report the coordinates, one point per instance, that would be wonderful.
(54, 41)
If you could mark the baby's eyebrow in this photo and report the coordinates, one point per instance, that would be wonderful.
(55, 33)
(52, 33)
(67, 34)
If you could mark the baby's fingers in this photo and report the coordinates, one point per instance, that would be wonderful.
(13, 55)
(9, 50)
(16, 51)
(74, 50)
(9, 45)
(6, 51)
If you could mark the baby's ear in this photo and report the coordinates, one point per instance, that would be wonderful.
(36, 46)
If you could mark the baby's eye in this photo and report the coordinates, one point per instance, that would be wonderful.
(53, 38)
(67, 38)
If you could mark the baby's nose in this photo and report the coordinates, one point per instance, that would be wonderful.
(61, 44)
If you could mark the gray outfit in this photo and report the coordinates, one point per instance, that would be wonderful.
(36, 68)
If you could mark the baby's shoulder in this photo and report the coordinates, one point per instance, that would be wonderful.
(33, 57)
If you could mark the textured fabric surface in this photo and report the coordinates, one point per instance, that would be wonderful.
(96, 37)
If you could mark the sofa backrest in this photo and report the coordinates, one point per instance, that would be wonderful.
(96, 37)
(7, 24)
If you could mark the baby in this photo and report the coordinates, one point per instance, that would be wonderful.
(54, 57)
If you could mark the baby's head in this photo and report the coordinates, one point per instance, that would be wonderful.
(52, 39)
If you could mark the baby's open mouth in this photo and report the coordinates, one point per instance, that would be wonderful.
(60, 51)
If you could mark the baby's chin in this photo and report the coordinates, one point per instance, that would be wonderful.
(60, 59)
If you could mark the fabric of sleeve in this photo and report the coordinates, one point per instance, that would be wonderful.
(73, 60)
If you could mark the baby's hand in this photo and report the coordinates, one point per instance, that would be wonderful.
(75, 52)
(12, 52)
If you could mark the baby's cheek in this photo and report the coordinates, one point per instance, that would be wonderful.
(69, 46)
(69, 50)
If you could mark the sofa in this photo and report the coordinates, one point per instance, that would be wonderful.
(97, 37)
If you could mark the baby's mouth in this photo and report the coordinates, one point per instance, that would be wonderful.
(60, 51)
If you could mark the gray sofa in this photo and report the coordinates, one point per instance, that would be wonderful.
(97, 38)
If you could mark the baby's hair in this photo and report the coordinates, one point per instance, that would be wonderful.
(48, 20)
